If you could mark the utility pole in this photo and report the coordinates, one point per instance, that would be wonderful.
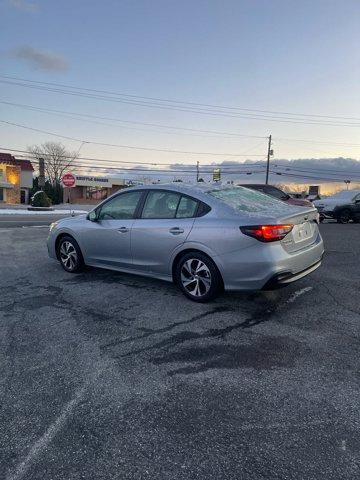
(269, 153)
(41, 179)
(197, 172)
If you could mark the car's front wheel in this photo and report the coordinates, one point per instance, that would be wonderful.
(198, 277)
(69, 254)
(344, 216)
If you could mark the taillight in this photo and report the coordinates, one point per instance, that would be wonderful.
(267, 233)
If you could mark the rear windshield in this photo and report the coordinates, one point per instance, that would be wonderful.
(247, 200)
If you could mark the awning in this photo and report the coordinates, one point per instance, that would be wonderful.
(6, 185)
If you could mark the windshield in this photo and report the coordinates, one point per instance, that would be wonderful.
(247, 200)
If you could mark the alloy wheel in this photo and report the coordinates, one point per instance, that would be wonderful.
(195, 277)
(68, 255)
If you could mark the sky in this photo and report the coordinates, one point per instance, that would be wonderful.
(276, 56)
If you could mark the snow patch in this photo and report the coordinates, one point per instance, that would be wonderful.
(298, 293)
(19, 211)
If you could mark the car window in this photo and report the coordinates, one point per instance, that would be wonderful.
(187, 208)
(160, 204)
(203, 209)
(269, 190)
(247, 200)
(121, 207)
(258, 188)
(274, 192)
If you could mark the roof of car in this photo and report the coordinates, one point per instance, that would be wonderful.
(185, 187)
(251, 185)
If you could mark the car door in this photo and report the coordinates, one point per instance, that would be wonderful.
(106, 241)
(166, 220)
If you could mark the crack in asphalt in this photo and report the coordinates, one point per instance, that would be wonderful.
(337, 301)
(186, 336)
(149, 331)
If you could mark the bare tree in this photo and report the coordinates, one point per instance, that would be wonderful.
(56, 157)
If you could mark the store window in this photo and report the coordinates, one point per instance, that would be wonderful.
(1, 194)
(96, 193)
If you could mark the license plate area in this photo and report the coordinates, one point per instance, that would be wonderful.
(302, 232)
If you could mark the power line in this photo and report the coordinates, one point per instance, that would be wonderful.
(165, 100)
(320, 172)
(214, 133)
(131, 147)
(145, 171)
(320, 142)
(318, 177)
(224, 167)
(53, 111)
(202, 111)
(92, 159)
(177, 168)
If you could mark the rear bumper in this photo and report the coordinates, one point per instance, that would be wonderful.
(263, 264)
(282, 279)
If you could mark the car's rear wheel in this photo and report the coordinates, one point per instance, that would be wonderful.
(69, 254)
(198, 277)
(344, 216)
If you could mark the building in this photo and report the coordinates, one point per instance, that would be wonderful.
(16, 179)
(91, 189)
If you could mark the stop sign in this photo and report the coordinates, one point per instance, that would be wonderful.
(68, 180)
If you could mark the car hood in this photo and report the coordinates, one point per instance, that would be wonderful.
(71, 220)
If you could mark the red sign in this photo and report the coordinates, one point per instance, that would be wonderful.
(68, 180)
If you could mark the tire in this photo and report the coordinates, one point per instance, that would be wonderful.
(198, 277)
(321, 218)
(344, 216)
(69, 255)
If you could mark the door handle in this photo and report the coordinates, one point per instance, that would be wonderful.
(176, 230)
(123, 229)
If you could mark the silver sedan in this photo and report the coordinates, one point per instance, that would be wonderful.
(205, 239)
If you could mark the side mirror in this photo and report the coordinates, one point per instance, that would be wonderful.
(93, 216)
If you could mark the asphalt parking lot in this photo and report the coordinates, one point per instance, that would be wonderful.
(110, 376)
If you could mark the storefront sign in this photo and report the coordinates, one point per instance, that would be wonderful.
(90, 181)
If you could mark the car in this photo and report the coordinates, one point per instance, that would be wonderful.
(278, 193)
(204, 238)
(343, 206)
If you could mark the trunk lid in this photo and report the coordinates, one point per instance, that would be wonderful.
(304, 232)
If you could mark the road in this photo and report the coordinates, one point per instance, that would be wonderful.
(28, 220)
(110, 376)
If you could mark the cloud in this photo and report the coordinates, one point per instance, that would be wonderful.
(24, 5)
(40, 60)
(315, 171)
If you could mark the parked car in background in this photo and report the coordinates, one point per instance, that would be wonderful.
(279, 194)
(343, 206)
(202, 238)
